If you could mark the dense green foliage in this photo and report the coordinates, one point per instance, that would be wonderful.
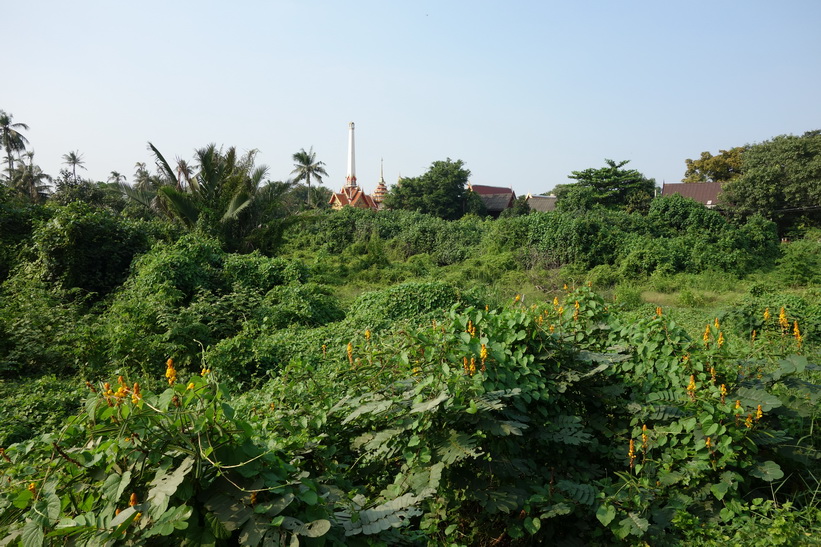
(611, 187)
(636, 373)
(441, 191)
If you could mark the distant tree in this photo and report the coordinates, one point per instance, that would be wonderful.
(74, 160)
(142, 178)
(13, 140)
(306, 167)
(611, 187)
(29, 181)
(116, 177)
(781, 180)
(724, 167)
(441, 191)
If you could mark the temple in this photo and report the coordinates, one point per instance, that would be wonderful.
(351, 194)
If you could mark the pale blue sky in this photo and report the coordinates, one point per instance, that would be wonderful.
(522, 92)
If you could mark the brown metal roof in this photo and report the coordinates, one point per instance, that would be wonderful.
(703, 192)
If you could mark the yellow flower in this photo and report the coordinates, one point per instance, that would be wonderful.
(367, 334)
(708, 443)
(132, 501)
(720, 339)
(782, 319)
(190, 385)
(565, 286)
(738, 404)
(706, 335)
(483, 353)
(555, 301)
(715, 323)
(350, 352)
(631, 453)
(517, 298)
(767, 314)
(658, 311)
(561, 310)
(472, 366)
(691, 387)
(32, 488)
(749, 421)
(752, 338)
(759, 413)
(644, 437)
(137, 517)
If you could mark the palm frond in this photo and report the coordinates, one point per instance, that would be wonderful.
(181, 205)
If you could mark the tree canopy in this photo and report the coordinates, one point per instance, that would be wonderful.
(781, 180)
(611, 187)
(440, 192)
(724, 167)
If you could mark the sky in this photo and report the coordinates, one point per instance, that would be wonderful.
(523, 92)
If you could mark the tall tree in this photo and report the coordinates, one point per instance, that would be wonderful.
(13, 140)
(306, 167)
(74, 160)
(724, 167)
(441, 191)
(612, 187)
(781, 180)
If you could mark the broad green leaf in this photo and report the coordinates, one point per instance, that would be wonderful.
(32, 535)
(768, 471)
(606, 514)
(165, 485)
(719, 489)
(115, 485)
(532, 525)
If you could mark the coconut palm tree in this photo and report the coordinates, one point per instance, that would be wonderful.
(116, 177)
(74, 160)
(306, 167)
(30, 181)
(12, 139)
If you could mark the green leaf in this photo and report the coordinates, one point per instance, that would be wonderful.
(165, 485)
(768, 471)
(751, 398)
(115, 485)
(606, 514)
(635, 524)
(424, 406)
(719, 490)
(32, 535)
(532, 525)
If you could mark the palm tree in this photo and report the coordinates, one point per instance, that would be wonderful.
(13, 140)
(30, 181)
(306, 166)
(74, 160)
(116, 177)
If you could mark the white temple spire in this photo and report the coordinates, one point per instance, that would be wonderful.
(350, 178)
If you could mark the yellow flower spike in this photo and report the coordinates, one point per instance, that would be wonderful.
(720, 339)
(658, 311)
(170, 372)
(472, 366)
(713, 374)
(767, 314)
(631, 453)
(706, 335)
(565, 286)
(738, 404)
(350, 352)
(561, 310)
(487, 308)
(752, 338)
(749, 421)
(691, 387)
(708, 443)
(715, 323)
(367, 334)
(552, 328)
(324, 347)
(32, 488)
(465, 364)
(190, 385)
(517, 298)
(555, 301)
(759, 413)
(782, 319)
(576, 305)
(132, 501)
(644, 437)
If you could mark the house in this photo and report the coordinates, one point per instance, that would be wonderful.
(495, 198)
(703, 192)
(541, 204)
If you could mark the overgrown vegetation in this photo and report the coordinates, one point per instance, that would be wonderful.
(639, 374)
